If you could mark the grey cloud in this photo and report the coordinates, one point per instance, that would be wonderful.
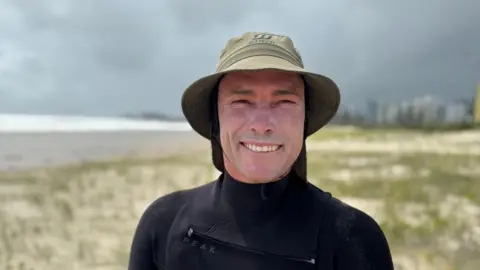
(110, 57)
(198, 16)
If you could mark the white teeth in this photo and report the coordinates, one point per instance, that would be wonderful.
(257, 148)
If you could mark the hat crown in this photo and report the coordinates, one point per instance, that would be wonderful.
(250, 43)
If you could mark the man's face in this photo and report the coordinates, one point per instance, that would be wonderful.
(261, 115)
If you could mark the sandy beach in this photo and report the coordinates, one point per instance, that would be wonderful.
(21, 151)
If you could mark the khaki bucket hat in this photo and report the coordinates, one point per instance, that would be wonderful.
(258, 51)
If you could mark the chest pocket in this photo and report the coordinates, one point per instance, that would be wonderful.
(200, 251)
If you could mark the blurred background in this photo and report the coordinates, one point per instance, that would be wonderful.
(91, 128)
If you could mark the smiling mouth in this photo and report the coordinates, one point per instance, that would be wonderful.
(261, 148)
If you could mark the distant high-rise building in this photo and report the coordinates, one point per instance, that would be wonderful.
(372, 112)
(455, 112)
(476, 109)
(381, 113)
(427, 109)
(392, 113)
(422, 110)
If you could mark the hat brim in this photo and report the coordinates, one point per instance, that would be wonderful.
(324, 95)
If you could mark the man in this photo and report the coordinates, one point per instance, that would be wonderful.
(261, 213)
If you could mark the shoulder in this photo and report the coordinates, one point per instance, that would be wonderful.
(153, 227)
(351, 222)
(357, 237)
(160, 211)
(345, 218)
(164, 208)
(362, 242)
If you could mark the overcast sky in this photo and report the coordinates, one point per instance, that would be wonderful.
(105, 57)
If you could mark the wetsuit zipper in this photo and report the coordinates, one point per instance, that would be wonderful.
(191, 232)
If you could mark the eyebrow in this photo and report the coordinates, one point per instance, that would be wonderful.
(285, 92)
(240, 92)
(280, 92)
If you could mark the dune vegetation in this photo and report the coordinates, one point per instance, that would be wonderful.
(422, 188)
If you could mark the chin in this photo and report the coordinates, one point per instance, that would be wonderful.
(263, 176)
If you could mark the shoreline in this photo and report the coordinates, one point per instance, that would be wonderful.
(21, 152)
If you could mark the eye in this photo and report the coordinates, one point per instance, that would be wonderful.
(241, 101)
(286, 101)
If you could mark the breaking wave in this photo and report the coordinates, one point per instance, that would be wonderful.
(56, 123)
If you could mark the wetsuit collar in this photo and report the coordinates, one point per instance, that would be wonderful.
(254, 202)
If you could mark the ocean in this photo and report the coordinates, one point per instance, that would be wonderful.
(52, 123)
(31, 141)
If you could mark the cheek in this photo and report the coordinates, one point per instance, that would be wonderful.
(291, 121)
(231, 121)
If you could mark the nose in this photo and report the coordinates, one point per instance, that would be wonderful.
(261, 121)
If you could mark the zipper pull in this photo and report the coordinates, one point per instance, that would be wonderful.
(190, 232)
(311, 261)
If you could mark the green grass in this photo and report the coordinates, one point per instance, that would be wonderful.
(334, 133)
(340, 133)
(443, 176)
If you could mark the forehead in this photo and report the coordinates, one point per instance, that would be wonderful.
(264, 79)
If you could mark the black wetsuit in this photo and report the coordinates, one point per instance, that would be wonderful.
(230, 225)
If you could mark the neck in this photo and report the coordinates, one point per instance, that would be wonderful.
(234, 174)
(257, 199)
